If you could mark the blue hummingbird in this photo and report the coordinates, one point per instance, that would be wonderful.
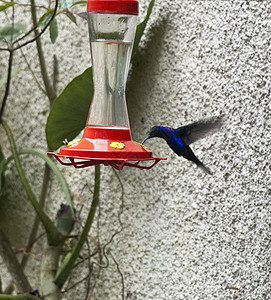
(180, 138)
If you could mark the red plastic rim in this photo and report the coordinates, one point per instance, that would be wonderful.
(129, 7)
(115, 163)
(106, 145)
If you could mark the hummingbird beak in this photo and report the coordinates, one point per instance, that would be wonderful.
(146, 138)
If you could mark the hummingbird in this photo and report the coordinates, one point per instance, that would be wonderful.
(180, 138)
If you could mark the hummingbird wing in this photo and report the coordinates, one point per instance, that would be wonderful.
(199, 130)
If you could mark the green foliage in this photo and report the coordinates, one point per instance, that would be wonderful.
(44, 19)
(79, 2)
(71, 17)
(6, 5)
(54, 169)
(51, 231)
(140, 29)
(64, 6)
(67, 264)
(69, 111)
(11, 31)
(65, 219)
(53, 31)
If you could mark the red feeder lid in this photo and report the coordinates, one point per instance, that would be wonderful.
(129, 7)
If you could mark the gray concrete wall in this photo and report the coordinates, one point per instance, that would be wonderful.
(186, 235)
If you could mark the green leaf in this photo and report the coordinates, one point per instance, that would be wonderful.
(53, 31)
(69, 111)
(79, 2)
(44, 19)
(64, 4)
(71, 17)
(65, 219)
(140, 30)
(6, 5)
(10, 30)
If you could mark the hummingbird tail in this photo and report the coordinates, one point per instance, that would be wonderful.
(205, 169)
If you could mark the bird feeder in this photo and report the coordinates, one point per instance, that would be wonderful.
(107, 136)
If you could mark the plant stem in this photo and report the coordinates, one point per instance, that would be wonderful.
(48, 272)
(33, 74)
(67, 265)
(36, 222)
(49, 165)
(52, 232)
(48, 86)
(13, 264)
(58, 174)
(55, 170)
(7, 85)
(18, 297)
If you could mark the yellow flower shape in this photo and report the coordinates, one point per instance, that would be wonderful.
(117, 145)
(74, 142)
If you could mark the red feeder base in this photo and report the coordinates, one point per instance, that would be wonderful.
(106, 145)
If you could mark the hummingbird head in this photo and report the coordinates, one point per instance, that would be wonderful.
(155, 131)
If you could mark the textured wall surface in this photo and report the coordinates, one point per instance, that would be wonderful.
(185, 235)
